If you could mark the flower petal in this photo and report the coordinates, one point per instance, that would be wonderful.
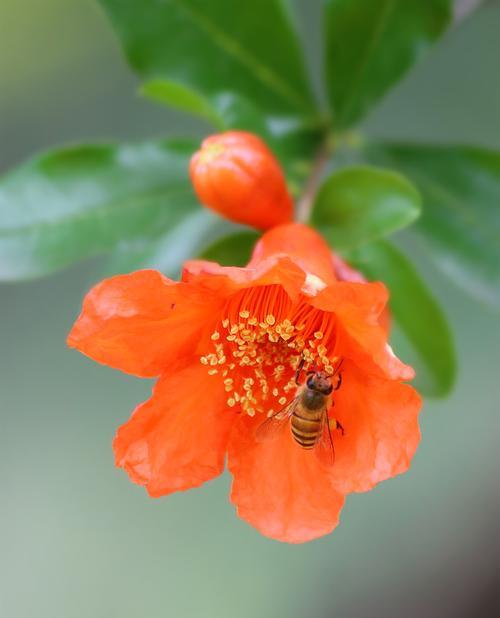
(140, 322)
(226, 280)
(303, 245)
(345, 272)
(280, 488)
(361, 328)
(380, 420)
(177, 439)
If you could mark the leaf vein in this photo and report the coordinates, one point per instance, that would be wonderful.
(231, 46)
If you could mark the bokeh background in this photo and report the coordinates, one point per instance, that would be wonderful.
(77, 539)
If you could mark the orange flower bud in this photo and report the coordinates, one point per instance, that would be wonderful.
(236, 175)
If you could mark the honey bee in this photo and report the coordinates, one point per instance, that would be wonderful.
(308, 415)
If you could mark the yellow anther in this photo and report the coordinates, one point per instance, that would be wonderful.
(204, 360)
(244, 314)
(215, 335)
(231, 402)
(212, 372)
(282, 401)
(225, 323)
(270, 319)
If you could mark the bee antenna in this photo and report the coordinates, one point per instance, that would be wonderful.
(337, 368)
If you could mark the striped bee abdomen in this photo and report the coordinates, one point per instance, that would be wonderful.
(306, 429)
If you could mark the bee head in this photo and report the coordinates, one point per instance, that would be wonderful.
(320, 382)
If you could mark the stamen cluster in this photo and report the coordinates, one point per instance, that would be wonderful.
(258, 359)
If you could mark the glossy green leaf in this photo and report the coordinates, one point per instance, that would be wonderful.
(215, 47)
(359, 204)
(371, 44)
(73, 203)
(416, 314)
(233, 250)
(184, 241)
(460, 220)
(183, 98)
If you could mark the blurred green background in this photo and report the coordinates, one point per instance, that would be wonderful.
(77, 539)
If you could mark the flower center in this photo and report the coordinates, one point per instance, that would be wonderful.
(260, 341)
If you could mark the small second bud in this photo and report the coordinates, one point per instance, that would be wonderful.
(236, 175)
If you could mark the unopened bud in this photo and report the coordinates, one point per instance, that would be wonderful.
(236, 175)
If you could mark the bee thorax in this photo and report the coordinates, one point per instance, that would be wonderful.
(312, 400)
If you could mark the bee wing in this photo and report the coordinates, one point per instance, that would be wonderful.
(324, 449)
(271, 427)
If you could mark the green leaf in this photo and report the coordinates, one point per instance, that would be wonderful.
(183, 98)
(371, 44)
(359, 204)
(217, 46)
(417, 316)
(233, 250)
(73, 203)
(168, 252)
(460, 220)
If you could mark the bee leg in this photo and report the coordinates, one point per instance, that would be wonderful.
(299, 369)
(339, 382)
(334, 424)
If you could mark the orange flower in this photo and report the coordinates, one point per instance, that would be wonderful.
(226, 343)
(236, 175)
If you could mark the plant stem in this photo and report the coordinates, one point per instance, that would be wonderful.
(307, 198)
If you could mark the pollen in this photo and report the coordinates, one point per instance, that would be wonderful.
(258, 347)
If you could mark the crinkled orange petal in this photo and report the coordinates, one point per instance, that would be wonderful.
(140, 322)
(177, 439)
(358, 307)
(303, 245)
(225, 280)
(280, 488)
(345, 272)
(380, 419)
